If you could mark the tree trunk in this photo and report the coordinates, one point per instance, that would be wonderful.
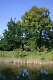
(40, 39)
(23, 46)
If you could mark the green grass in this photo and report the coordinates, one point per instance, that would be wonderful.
(44, 56)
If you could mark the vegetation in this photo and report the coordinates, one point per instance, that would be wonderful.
(35, 31)
(30, 55)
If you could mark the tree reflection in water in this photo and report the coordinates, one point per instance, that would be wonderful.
(26, 73)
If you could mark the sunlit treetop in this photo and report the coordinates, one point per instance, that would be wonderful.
(37, 17)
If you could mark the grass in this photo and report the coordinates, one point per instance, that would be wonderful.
(43, 56)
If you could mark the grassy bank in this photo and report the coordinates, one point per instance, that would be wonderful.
(36, 55)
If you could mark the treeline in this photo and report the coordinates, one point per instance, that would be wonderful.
(34, 31)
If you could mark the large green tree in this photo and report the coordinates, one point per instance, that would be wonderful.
(39, 20)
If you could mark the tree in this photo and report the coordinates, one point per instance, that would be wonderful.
(24, 35)
(39, 20)
(11, 38)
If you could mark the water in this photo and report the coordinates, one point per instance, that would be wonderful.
(26, 72)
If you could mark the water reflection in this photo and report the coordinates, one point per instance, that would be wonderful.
(24, 74)
(44, 72)
(13, 72)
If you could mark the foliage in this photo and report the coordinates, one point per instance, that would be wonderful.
(39, 19)
(10, 38)
(35, 31)
(34, 55)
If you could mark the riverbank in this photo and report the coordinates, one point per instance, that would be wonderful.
(24, 61)
(26, 57)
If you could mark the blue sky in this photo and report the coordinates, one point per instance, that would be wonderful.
(16, 8)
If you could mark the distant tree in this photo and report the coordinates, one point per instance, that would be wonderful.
(10, 38)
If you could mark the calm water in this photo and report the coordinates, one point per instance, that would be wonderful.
(25, 72)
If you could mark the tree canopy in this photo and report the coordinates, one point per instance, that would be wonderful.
(35, 30)
(39, 19)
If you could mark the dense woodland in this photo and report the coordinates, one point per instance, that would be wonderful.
(34, 31)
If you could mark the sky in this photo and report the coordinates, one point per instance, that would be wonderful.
(16, 8)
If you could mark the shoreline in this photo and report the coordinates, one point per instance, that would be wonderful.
(24, 61)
